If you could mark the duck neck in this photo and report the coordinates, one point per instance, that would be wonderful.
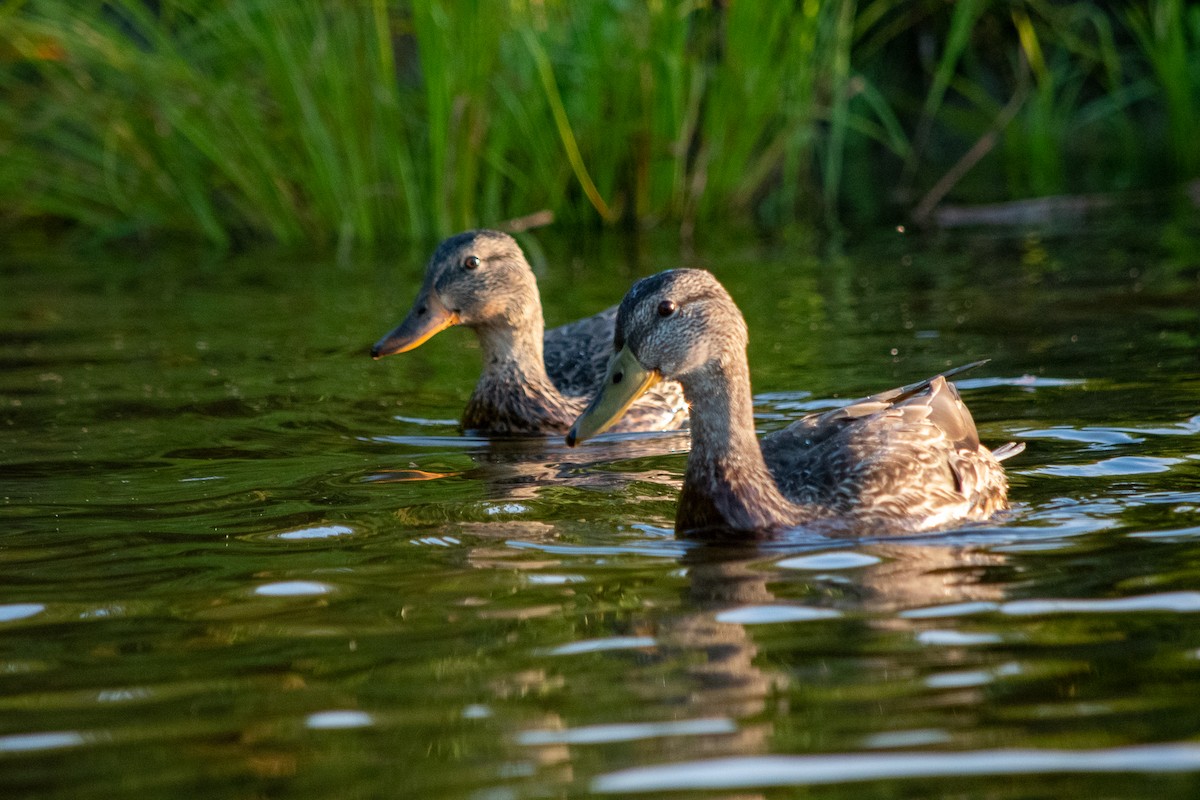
(515, 394)
(514, 348)
(727, 484)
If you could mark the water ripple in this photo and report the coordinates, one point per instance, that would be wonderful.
(547, 579)
(942, 638)
(318, 532)
(1179, 602)
(1176, 535)
(1111, 467)
(1106, 437)
(951, 610)
(627, 732)
(749, 772)
(28, 742)
(600, 645)
(765, 615)
(910, 738)
(1023, 381)
(965, 679)
(293, 589)
(338, 720)
(661, 549)
(427, 423)
(824, 561)
(1183, 602)
(457, 442)
(15, 611)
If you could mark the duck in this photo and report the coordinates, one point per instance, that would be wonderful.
(533, 381)
(906, 460)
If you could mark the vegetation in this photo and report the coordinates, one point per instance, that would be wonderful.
(313, 121)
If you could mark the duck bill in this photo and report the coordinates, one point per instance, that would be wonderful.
(625, 382)
(427, 317)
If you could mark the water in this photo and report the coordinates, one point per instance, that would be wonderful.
(240, 559)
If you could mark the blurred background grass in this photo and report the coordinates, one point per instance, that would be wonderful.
(337, 124)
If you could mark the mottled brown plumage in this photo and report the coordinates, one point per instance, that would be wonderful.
(533, 380)
(901, 461)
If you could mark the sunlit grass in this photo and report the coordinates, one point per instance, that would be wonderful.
(339, 124)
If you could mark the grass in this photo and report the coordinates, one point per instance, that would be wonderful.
(343, 124)
(1168, 33)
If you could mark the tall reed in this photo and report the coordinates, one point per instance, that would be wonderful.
(312, 121)
(1168, 32)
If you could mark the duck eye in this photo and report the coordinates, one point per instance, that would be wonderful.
(666, 308)
(471, 262)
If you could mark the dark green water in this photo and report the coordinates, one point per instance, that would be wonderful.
(240, 559)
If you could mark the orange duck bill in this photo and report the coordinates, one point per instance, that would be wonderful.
(427, 317)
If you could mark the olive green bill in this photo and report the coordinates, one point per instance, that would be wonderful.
(625, 382)
(427, 317)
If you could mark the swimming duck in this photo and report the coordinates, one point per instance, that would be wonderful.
(905, 460)
(534, 380)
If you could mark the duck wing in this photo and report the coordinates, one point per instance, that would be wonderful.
(911, 452)
(577, 353)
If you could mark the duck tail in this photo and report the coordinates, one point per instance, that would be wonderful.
(1008, 450)
(902, 393)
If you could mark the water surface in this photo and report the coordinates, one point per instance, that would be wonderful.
(241, 559)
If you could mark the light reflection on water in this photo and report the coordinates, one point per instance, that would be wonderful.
(295, 577)
(738, 773)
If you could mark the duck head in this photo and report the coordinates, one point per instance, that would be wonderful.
(479, 279)
(676, 325)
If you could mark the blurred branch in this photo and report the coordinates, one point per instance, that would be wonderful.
(538, 219)
(921, 213)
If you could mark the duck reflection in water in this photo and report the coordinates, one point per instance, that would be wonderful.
(699, 660)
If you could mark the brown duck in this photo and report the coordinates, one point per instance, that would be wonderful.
(901, 461)
(534, 380)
